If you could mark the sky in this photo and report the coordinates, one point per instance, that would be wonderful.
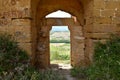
(60, 28)
(59, 14)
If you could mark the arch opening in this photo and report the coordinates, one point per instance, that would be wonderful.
(43, 25)
(76, 37)
(60, 46)
(59, 14)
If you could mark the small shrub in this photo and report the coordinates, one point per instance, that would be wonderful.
(30, 73)
(106, 65)
(79, 72)
(10, 54)
(14, 63)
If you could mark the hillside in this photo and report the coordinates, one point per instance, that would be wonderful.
(60, 36)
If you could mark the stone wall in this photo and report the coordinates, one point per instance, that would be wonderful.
(23, 18)
(15, 19)
(105, 21)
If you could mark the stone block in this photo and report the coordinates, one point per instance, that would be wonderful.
(5, 22)
(117, 13)
(89, 50)
(22, 34)
(89, 21)
(103, 20)
(10, 30)
(97, 35)
(27, 47)
(112, 4)
(78, 39)
(76, 30)
(96, 13)
(78, 60)
(116, 20)
(3, 29)
(99, 4)
(21, 22)
(102, 28)
(1, 5)
(77, 51)
(108, 13)
(60, 21)
(81, 46)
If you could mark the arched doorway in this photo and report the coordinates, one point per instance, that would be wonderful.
(40, 32)
(76, 36)
(60, 49)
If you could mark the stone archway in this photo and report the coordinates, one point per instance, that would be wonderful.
(40, 31)
(97, 25)
(76, 36)
(77, 41)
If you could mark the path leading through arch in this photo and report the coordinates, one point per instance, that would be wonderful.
(64, 70)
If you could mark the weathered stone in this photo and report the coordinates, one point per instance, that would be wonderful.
(117, 13)
(112, 4)
(21, 22)
(27, 47)
(93, 20)
(103, 20)
(107, 13)
(98, 35)
(102, 28)
(97, 13)
(99, 4)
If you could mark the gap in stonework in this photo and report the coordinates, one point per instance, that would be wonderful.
(60, 46)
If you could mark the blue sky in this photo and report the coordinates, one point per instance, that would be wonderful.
(60, 28)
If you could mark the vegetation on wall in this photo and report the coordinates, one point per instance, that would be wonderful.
(106, 65)
(11, 55)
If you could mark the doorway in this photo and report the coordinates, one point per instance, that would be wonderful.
(60, 47)
(43, 39)
(81, 40)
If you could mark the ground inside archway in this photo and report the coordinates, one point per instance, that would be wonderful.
(64, 69)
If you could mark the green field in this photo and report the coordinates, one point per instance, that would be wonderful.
(60, 53)
(60, 47)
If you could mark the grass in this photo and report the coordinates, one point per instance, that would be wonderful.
(60, 47)
(60, 53)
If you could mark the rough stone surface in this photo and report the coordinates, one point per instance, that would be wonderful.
(25, 20)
